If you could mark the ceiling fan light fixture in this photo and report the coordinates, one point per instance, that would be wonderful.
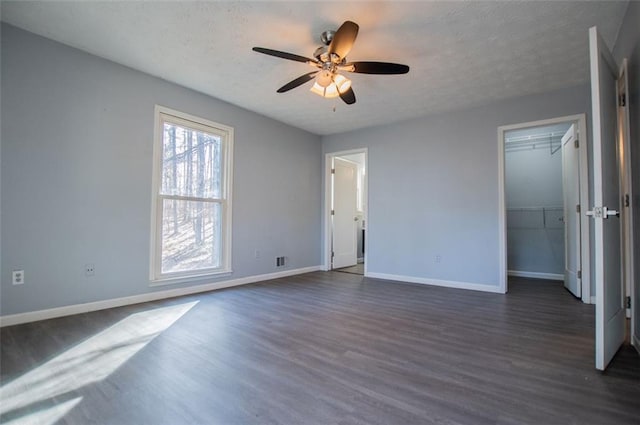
(328, 92)
(342, 83)
(324, 78)
(337, 85)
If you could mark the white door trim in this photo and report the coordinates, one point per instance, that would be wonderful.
(626, 188)
(326, 210)
(581, 122)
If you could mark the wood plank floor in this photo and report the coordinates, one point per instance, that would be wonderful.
(323, 348)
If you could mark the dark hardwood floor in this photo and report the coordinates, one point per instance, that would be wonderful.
(322, 348)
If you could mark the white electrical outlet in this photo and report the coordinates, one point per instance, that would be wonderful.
(89, 270)
(18, 277)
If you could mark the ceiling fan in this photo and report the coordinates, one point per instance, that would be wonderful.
(330, 59)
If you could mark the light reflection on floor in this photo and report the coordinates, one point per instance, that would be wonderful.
(88, 362)
(49, 415)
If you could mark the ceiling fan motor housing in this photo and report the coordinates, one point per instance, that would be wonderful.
(327, 36)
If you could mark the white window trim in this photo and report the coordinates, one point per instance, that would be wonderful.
(155, 275)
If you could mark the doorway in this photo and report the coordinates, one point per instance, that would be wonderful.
(346, 211)
(543, 188)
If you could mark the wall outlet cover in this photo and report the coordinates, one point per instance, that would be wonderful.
(18, 277)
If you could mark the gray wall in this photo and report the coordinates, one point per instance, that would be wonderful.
(534, 199)
(433, 186)
(628, 46)
(77, 136)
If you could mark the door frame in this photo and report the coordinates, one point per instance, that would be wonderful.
(581, 122)
(326, 210)
(626, 189)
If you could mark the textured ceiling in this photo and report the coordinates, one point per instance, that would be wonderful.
(460, 53)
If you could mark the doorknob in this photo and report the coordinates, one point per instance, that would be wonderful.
(602, 212)
(355, 218)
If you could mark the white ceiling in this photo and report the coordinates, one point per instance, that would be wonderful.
(460, 53)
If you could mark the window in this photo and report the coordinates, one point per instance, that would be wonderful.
(191, 217)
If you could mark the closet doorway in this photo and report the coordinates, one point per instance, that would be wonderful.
(345, 215)
(544, 188)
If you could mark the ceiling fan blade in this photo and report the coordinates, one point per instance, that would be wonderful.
(283, 55)
(297, 82)
(348, 96)
(343, 39)
(376, 68)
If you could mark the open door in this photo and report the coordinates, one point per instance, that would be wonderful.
(345, 225)
(610, 311)
(571, 192)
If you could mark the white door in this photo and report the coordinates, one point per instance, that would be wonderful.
(610, 312)
(345, 242)
(571, 191)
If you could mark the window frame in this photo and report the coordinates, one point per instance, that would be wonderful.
(161, 115)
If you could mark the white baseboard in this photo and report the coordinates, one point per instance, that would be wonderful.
(361, 260)
(536, 275)
(636, 342)
(436, 282)
(593, 299)
(33, 316)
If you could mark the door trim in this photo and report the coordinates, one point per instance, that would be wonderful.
(581, 122)
(326, 209)
(626, 188)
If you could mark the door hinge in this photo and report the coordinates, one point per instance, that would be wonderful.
(579, 274)
(333, 171)
(578, 208)
(333, 212)
(333, 254)
(576, 143)
(628, 302)
(626, 200)
(622, 100)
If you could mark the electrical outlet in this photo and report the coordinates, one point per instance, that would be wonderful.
(89, 270)
(438, 258)
(18, 277)
(256, 254)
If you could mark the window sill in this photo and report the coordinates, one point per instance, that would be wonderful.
(174, 280)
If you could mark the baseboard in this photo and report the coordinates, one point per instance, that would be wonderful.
(536, 275)
(361, 260)
(436, 282)
(593, 299)
(635, 341)
(33, 316)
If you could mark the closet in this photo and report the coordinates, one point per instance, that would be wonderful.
(535, 202)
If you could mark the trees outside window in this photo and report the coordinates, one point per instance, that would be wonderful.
(192, 196)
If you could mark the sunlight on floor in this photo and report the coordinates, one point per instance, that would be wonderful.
(49, 415)
(88, 362)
